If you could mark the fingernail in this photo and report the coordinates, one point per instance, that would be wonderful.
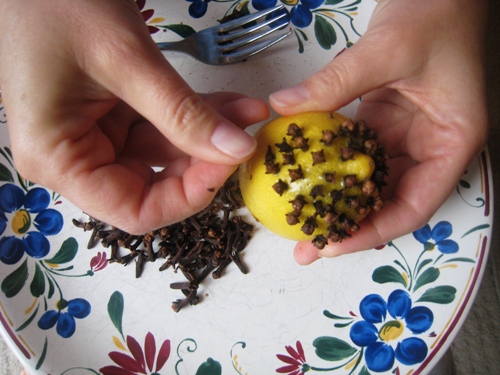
(233, 141)
(327, 253)
(290, 97)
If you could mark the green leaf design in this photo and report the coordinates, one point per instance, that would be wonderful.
(400, 265)
(28, 322)
(14, 282)
(66, 253)
(428, 276)
(388, 274)
(51, 288)
(343, 325)
(330, 315)
(464, 184)
(325, 33)
(116, 306)
(301, 45)
(364, 371)
(332, 349)
(180, 29)
(210, 367)
(7, 154)
(332, 2)
(244, 9)
(37, 286)
(423, 264)
(441, 294)
(5, 174)
(479, 227)
(304, 35)
(461, 259)
(42, 355)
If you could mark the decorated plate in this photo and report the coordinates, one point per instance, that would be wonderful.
(64, 309)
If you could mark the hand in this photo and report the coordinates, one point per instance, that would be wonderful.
(92, 105)
(419, 71)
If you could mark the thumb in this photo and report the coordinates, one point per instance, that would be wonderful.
(354, 72)
(129, 64)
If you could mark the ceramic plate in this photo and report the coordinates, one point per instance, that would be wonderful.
(65, 310)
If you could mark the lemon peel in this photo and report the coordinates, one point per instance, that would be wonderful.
(314, 176)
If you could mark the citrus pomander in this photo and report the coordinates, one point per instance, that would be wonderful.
(314, 176)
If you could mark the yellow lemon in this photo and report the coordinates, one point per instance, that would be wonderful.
(313, 176)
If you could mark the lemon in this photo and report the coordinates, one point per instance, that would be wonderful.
(311, 176)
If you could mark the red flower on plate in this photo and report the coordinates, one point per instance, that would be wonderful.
(296, 361)
(141, 362)
(98, 262)
(147, 14)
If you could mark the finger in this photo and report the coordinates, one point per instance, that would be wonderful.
(129, 64)
(116, 123)
(238, 108)
(395, 220)
(356, 71)
(131, 196)
(147, 143)
(419, 194)
(305, 253)
(372, 62)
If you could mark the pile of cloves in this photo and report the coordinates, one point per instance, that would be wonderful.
(203, 244)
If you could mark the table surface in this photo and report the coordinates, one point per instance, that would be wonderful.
(475, 349)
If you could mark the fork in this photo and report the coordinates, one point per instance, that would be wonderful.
(231, 41)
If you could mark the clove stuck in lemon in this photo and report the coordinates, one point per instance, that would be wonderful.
(314, 176)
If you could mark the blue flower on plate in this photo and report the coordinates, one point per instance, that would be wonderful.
(65, 321)
(263, 4)
(437, 237)
(379, 335)
(30, 220)
(300, 14)
(198, 8)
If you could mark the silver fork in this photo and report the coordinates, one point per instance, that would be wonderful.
(230, 42)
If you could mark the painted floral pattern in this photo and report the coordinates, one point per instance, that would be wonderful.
(64, 317)
(31, 222)
(148, 16)
(141, 361)
(29, 218)
(325, 19)
(377, 330)
(56, 294)
(394, 331)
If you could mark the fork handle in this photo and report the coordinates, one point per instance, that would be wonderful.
(185, 45)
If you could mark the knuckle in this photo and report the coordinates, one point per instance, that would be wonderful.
(335, 76)
(185, 114)
(330, 82)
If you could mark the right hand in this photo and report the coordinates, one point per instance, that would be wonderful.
(419, 70)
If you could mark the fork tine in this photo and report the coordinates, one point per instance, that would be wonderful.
(237, 34)
(236, 56)
(239, 22)
(226, 48)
